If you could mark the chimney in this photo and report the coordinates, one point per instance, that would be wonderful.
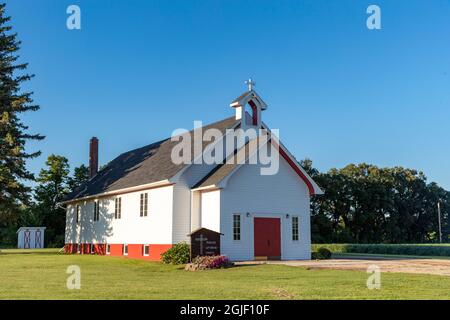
(93, 157)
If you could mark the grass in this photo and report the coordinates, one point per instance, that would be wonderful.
(29, 251)
(42, 275)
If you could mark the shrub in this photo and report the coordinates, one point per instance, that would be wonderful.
(324, 253)
(209, 262)
(321, 254)
(178, 254)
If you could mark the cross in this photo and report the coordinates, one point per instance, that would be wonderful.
(250, 83)
(201, 239)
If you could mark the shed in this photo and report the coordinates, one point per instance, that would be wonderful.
(30, 237)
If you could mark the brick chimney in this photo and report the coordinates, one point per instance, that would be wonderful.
(93, 157)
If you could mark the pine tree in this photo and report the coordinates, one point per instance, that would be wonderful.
(13, 133)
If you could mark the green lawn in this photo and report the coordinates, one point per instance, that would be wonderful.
(42, 275)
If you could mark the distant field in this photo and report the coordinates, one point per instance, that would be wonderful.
(436, 250)
(41, 274)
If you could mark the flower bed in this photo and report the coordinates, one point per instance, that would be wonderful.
(209, 262)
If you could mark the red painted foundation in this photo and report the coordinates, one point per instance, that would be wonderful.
(135, 251)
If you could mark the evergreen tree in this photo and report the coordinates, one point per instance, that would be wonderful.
(13, 132)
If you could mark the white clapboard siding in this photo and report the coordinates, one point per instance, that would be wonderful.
(265, 196)
(155, 228)
(210, 210)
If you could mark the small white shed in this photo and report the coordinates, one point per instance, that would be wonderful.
(30, 237)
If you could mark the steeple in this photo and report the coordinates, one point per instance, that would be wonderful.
(254, 101)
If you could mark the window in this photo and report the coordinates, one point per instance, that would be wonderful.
(295, 228)
(125, 249)
(236, 227)
(108, 248)
(96, 211)
(144, 204)
(118, 208)
(78, 213)
(92, 248)
(146, 250)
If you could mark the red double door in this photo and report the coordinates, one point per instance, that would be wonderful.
(267, 238)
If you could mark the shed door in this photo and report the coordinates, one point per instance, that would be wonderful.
(267, 238)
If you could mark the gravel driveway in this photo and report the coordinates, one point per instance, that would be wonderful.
(423, 266)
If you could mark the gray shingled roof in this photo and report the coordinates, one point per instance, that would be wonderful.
(221, 171)
(141, 166)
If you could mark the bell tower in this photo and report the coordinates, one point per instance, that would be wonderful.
(256, 105)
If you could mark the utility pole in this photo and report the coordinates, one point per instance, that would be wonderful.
(439, 220)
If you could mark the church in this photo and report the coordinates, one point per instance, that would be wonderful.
(146, 200)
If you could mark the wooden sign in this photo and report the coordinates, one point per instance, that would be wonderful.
(205, 242)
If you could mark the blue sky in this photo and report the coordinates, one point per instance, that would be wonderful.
(338, 92)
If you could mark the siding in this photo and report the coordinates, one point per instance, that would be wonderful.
(156, 228)
(70, 233)
(181, 213)
(210, 210)
(265, 196)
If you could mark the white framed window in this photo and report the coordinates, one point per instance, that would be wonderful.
(78, 213)
(96, 211)
(108, 248)
(118, 208)
(92, 248)
(295, 228)
(125, 249)
(236, 227)
(146, 250)
(144, 204)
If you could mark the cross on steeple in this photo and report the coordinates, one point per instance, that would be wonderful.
(250, 83)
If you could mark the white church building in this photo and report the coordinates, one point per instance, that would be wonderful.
(143, 202)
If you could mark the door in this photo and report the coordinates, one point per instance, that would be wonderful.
(267, 238)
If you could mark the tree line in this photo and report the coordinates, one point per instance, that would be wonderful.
(367, 204)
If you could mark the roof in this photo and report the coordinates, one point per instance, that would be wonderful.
(246, 97)
(222, 171)
(30, 228)
(145, 165)
(242, 96)
(205, 229)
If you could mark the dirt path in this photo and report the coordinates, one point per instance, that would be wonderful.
(423, 266)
